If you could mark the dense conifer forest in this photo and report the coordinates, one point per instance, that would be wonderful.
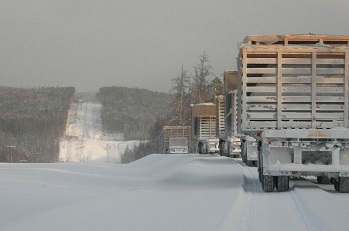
(132, 111)
(32, 121)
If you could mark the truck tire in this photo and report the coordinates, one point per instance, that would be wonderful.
(282, 183)
(342, 184)
(221, 148)
(323, 180)
(260, 172)
(268, 183)
(200, 148)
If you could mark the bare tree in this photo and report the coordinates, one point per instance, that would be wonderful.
(180, 88)
(199, 86)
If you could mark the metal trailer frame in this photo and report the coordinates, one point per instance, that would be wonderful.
(305, 152)
(294, 90)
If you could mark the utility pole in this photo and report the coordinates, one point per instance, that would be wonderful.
(11, 147)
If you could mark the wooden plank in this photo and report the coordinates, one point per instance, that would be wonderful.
(330, 71)
(295, 116)
(346, 90)
(313, 89)
(294, 99)
(299, 50)
(307, 89)
(261, 89)
(279, 90)
(244, 86)
(321, 79)
(261, 60)
(295, 107)
(261, 71)
(260, 126)
(261, 79)
(296, 79)
(330, 61)
(324, 99)
(296, 61)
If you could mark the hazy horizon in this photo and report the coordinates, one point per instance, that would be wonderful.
(90, 44)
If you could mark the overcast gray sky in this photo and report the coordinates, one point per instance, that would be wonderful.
(142, 43)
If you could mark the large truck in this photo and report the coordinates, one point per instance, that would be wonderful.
(176, 139)
(294, 99)
(229, 139)
(204, 128)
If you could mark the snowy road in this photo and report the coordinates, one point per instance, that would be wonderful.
(161, 192)
(84, 140)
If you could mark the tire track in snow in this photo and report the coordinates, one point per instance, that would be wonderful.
(254, 209)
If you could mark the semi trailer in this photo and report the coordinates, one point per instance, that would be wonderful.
(176, 139)
(293, 98)
(204, 128)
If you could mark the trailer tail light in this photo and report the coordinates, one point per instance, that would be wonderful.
(277, 144)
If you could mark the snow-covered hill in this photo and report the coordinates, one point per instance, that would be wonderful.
(161, 192)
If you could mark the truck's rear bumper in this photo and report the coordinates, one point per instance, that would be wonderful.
(309, 169)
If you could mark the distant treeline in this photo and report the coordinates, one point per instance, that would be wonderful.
(131, 111)
(32, 122)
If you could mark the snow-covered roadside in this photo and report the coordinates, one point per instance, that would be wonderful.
(84, 140)
(161, 192)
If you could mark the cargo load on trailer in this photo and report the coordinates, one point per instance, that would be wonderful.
(176, 139)
(204, 128)
(293, 98)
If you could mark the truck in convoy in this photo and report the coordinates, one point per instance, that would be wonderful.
(204, 128)
(229, 140)
(176, 139)
(293, 95)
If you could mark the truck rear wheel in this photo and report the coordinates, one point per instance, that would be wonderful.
(282, 183)
(200, 148)
(323, 180)
(342, 184)
(268, 183)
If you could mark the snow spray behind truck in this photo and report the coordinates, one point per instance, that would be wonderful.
(204, 128)
(176, 139)
(294, 98)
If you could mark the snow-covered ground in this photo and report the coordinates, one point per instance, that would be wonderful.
(84, 140)
(87, 190)
(161, 192)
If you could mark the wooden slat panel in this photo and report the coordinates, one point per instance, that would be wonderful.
(261, 79)
(261, 60)
(325, 99)
(346, 89)
(261, 70)
(279, 89)
(320, 79)
(294, 115)
(296, 89)
(294, 99)
(261, 89)
(294, 107)
(330, 71)
(296, 61)
(257, 125)
(330, 61)
(295, 79)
